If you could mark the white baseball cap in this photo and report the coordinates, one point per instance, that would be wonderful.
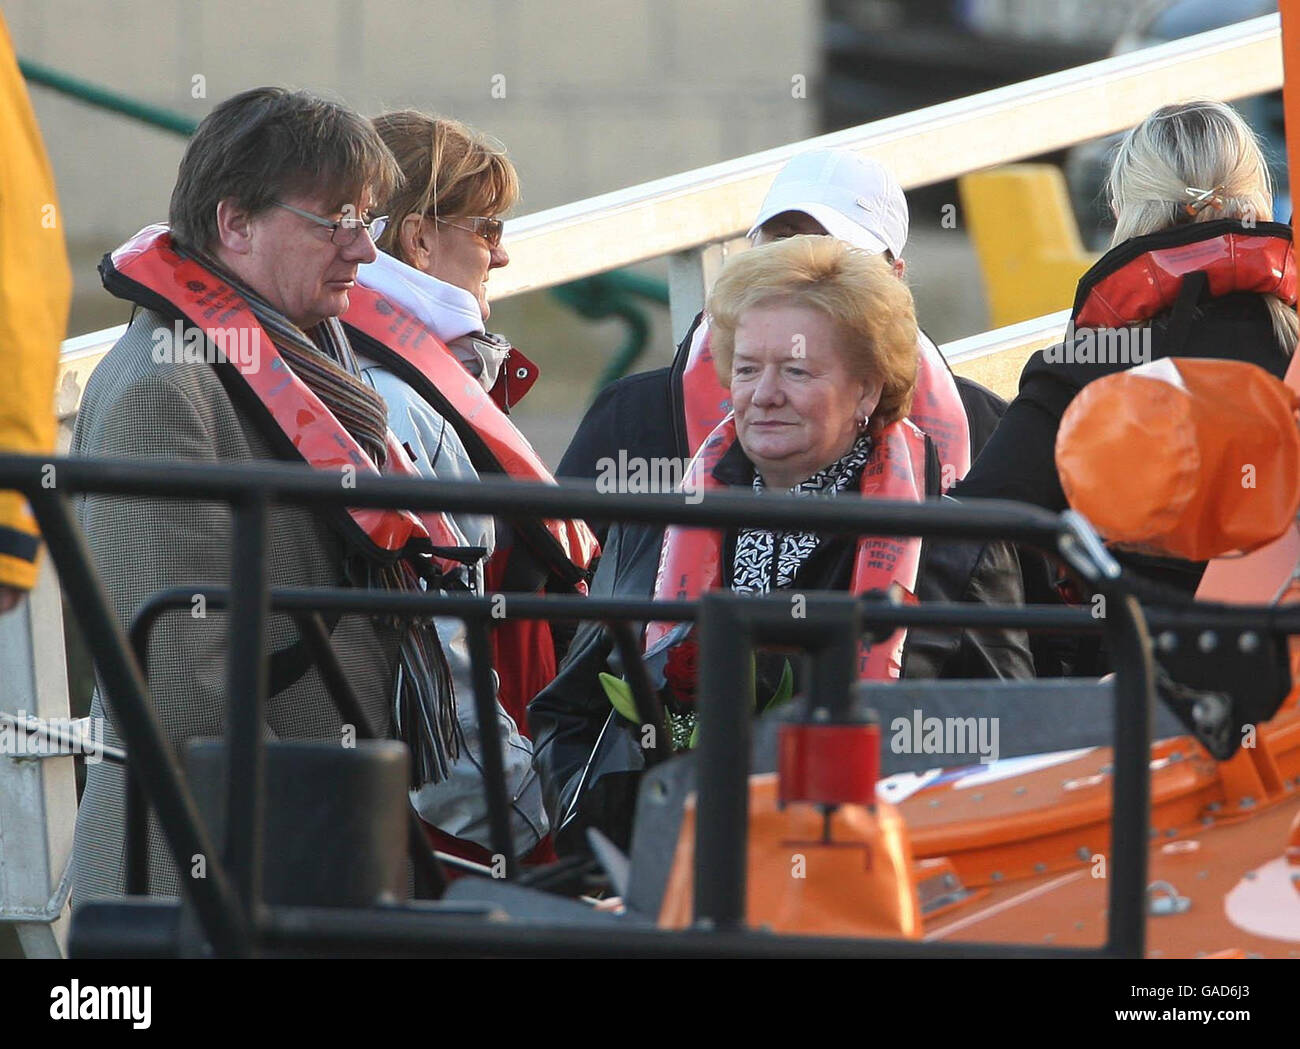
(854, 198)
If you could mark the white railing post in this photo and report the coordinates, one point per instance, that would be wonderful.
(38, 795)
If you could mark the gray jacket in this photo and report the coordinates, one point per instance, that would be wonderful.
(137, 407)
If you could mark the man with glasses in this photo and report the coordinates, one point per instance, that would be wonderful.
(268, 225)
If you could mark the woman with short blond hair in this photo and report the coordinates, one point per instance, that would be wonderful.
(816, 341)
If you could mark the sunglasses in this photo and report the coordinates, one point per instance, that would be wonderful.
(489, 229)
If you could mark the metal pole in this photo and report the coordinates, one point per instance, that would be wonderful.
(246, 704)
(1130, 644)
(726, 702)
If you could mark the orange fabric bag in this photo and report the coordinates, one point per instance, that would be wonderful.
(1185, 458)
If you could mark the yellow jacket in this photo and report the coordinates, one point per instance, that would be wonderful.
(35, 289)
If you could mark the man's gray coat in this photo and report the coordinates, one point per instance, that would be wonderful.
(138, 407)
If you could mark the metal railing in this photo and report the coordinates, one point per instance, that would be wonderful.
(227, 901)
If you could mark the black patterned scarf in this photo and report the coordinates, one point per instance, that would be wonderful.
(757, 548)
(424, 698)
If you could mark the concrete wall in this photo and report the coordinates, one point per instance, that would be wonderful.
(590, 95)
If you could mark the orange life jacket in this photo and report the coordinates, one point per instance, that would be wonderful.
(936, 406)
(690, 559)
(148, 271)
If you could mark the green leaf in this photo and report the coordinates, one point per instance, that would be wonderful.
(784, 688)
(695, 737)
(620, 696)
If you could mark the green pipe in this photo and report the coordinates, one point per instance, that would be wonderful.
(85, 91)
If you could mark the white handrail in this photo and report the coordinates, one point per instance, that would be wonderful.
(710, 204)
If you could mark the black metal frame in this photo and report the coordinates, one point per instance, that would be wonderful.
(228, 902)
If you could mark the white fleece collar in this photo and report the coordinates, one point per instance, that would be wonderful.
(447, 310)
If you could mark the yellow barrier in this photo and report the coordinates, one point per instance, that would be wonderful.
(1026, 238)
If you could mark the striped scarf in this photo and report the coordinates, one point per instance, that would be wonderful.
(424, 697)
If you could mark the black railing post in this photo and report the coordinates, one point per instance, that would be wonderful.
(726, 705)
(246, 704)
(1129, 643)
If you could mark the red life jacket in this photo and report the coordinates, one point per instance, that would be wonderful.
(146, 270)
(523, 650)
(1126, 287)
(936, 407)
(690, 559)
(402, 344)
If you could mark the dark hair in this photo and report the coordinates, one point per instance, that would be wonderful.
(269, 143)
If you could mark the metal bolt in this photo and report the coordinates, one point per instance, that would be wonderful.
(1078, 925)
(1248, 642)
(1171, 832)
(1168, 641)
(1214, 806)
(977, 797)
(1177, 755)
(821, 714)
(996, 875)
(1246, 803)
(1039, 868)
(1021, 790)
(934, 804)
(1084, 853)
(1208, 641)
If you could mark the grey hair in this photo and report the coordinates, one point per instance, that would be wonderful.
(1201, 144)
